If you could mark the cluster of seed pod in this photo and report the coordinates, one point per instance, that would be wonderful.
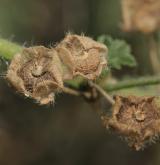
(135, 119)
(141, 15)
(39, 72)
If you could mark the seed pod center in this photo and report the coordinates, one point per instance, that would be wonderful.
(139, 116)
(37, 71)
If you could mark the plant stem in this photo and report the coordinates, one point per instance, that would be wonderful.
(71, 91)
(8, 49)
(142, 81)
(103, 93)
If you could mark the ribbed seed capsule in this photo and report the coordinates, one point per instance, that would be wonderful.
(39, 72)
(136, 119)
(83, 56)
(36, 72)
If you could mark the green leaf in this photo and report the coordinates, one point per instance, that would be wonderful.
(119, 52)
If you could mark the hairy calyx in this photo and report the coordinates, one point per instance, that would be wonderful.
(39, 72)
(136, 119)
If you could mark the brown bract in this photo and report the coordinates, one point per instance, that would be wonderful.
(137, 119)
(141, 15)
(82, 56)
(36, 72)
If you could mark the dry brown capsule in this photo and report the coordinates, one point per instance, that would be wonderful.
(82, 56)
(141, 15)
(137, 119)
(36, 72)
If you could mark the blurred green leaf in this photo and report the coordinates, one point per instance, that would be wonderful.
(119, 52)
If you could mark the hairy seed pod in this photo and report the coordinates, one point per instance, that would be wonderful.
(82, 56)
(141, 15)
(39, 72)
(137, 119)
(36, 72)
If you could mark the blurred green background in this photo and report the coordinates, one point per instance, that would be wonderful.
(70, 133)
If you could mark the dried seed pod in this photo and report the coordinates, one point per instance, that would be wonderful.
(141, 15)
(137, 119)
(37, 73)
(82, 56)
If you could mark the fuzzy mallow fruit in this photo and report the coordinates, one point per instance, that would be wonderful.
(136, 119)
(39, 72)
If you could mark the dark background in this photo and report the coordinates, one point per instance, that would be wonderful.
(70, 132)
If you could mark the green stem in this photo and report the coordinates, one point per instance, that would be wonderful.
(8, 49)
(142, 81)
